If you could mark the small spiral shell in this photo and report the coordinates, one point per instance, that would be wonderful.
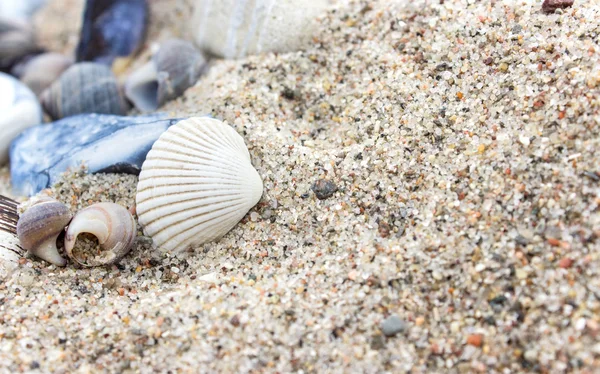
(39, 227)
(112, 224)
(84, 88)
(174, 68)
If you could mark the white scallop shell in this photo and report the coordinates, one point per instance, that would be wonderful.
(196, 184)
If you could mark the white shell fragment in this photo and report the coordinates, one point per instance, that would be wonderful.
(196, 184)
(10, 253)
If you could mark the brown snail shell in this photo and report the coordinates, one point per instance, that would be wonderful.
(84, 88)
(40, 225)
(112, 224)
(175, 67)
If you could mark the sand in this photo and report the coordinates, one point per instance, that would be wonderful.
(462, 140)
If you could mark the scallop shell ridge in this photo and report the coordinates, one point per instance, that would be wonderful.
(196, 184)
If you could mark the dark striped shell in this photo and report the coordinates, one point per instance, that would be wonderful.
(84, 88)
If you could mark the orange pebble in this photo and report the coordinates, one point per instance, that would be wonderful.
(475, 340)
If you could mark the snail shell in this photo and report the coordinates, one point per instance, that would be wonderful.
(112, 224)
(42, 70)
(196, 184)
(173, 69)
(39, 227)
(84, 88)
(16, 42)
(19, 109)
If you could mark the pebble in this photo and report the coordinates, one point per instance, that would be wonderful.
(565, 263)
(475, 340)
(550, 6)
(393, 325)
(324, 189)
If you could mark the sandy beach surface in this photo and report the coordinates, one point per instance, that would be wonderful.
(431, 204)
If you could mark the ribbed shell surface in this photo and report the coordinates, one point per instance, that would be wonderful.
(196, 184)
(84, 88)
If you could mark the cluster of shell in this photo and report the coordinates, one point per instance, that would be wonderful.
(45, 219)
(67, 86)
(196, 184)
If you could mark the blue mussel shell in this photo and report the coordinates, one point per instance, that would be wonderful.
(104, 143)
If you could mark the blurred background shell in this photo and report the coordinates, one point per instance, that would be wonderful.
(236, 28)
(176, 66)
(19, 9)
(196, 184)
(17, 41)
(42, 70)
(84, 88)
(112, 29)
(19, 109)
(106, 143)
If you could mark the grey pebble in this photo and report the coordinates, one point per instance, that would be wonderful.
(324, 189)
(393, 325)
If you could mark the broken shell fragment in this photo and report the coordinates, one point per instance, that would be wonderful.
(196, 184)
(173, 69)
(39, 227)
(84, 88)
(111, 223)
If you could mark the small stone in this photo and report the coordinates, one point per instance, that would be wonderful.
(521, 274)
(235, 320)
(504, 67)
(475, 340)
(593, 176)
(324, 189)
(393, 325)
(554, 242)
(531, 355)
(378, 342)
(352, 275)
(488, 61)
(565, 263)
(384, 229)
(550, 6)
